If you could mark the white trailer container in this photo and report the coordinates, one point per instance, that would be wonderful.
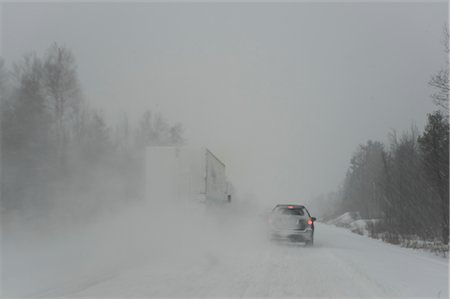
(183, 174)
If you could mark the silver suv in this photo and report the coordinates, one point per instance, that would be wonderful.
(291, 223)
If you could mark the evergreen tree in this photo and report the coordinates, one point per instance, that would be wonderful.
(434, 144)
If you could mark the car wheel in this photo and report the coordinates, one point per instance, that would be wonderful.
(310, 242)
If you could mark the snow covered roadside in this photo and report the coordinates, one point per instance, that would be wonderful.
(353, 222)
(137, 255)
(341, 264)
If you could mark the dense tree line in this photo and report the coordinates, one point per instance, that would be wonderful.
(404, 185)
(57, 151)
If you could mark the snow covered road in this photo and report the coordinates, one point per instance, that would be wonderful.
(340, 264)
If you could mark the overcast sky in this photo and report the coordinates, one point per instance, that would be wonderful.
(282, 93)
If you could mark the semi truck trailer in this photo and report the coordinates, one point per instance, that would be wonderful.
(180, 174)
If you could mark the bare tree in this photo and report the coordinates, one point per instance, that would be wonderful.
(63, 92)
(176, 135)
(440, 80)
(155, 130)
(27, 146)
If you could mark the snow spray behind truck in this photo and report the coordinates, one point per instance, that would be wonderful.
(184, 174)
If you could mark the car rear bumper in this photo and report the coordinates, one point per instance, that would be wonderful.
(292, 235)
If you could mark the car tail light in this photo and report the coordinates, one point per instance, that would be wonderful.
(290, 207)
(310, 222)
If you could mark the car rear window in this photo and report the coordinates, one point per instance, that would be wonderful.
(287, 211)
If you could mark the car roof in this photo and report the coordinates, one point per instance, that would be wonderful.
(289, 205)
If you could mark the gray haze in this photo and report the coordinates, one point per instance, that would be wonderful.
(283, 93)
